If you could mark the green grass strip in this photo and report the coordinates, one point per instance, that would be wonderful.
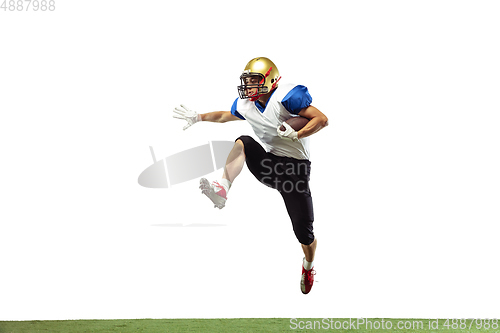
(375, 325)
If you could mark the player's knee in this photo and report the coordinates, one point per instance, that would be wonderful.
(243, 140)
(304, 232)
(239, 143)
(239, 147)
(305, 239)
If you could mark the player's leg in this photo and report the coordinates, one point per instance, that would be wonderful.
(300, 210)
(298, 201)
(307, 277)
(259, 162)
(309, 251)
(234, 163)
(244, 149)
(217, 191)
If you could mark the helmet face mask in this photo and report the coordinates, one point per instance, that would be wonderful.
(259, 78)
(252, 86)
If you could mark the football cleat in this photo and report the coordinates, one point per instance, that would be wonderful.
(307, 280)
(214, 192)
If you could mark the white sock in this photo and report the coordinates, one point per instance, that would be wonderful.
(308, 265)
(226, 184)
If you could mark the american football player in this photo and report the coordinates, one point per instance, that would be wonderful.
(281, 161)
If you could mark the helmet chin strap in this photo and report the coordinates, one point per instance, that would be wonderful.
(254, 98)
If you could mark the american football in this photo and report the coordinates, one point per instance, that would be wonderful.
(297, 123)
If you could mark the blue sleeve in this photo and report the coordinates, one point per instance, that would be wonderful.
(297, 99)
(233, 110)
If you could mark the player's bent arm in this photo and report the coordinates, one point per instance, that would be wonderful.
(219, 116)
(317, 121)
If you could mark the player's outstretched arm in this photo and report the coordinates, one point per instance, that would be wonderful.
(192, 117)
(317, 121)
(219, 116)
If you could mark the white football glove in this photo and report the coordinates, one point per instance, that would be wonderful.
(182, 112)
(289, 133)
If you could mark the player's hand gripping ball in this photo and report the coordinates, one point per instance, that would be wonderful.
(288, 129)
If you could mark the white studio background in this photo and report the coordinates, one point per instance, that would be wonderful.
(405, 179)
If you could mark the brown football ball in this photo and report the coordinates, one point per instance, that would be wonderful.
(297, 123)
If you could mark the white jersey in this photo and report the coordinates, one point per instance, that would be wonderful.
(285, 102)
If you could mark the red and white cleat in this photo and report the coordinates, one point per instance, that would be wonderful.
(307, 280)
(214, 192)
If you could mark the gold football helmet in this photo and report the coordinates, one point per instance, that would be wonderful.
(259, 77)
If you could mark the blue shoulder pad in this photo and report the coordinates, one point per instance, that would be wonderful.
(297, 99)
